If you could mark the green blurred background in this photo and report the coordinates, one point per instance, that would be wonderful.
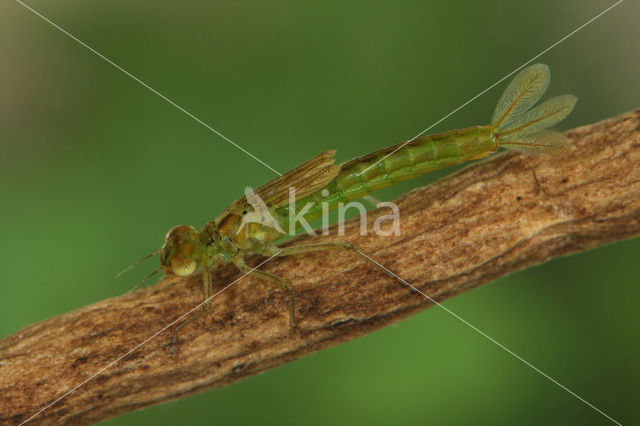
(94, 169)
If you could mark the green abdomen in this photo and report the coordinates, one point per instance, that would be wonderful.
(387, 166)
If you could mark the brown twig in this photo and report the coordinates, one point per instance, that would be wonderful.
(489, 219)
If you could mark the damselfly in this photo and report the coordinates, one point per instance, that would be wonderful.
(254, 223)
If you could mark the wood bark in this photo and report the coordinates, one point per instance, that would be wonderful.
(489, 219)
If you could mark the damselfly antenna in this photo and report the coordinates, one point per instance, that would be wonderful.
(138, 262)
(146, 278)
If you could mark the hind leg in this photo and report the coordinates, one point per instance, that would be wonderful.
(340, 245)
(239, 262)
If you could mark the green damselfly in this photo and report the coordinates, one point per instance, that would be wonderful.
(229, 238)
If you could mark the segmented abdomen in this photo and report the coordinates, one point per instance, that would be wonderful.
(387, 166)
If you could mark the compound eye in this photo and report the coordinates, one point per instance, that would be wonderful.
(183, 267)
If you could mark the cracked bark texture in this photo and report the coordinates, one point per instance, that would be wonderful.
(487, 220)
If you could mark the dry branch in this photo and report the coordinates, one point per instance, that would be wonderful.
(489, 219)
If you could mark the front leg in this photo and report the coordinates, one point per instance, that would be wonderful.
(207, 287)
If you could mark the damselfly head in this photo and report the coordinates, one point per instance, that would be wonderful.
(181, 252)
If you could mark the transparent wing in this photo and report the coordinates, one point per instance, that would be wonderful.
(543, 142)
(520, 95)
(548, 113)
